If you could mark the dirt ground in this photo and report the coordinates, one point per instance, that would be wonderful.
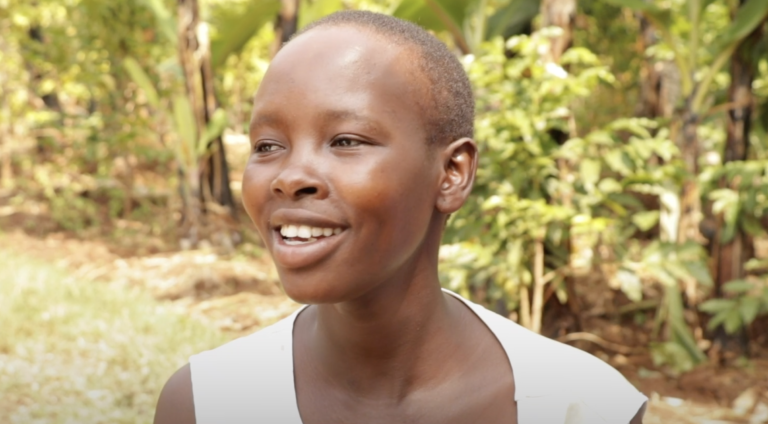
(239, 295)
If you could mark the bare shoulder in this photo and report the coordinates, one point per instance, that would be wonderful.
(176, 404)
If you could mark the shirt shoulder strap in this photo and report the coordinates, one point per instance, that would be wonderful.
(557, 383)
(248, 380)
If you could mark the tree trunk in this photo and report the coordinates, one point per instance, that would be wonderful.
(287, 23)
(690, 202)
(206, 190)
(729, 258)
(51, 100)
(559, 13)
(659, 80)
(538, 286)
(562, 14)
(6, 123)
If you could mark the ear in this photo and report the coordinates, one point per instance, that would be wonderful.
(459, 163)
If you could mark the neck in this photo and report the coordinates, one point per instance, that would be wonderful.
(385, 344)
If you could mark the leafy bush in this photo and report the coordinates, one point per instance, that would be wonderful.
(578, 197)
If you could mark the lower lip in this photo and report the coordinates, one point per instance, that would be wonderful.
(294, 256)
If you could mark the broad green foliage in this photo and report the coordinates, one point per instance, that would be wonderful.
(564, 162)
(236, 23)
(69, 55)
(521, 103)
(745, 201)
(698, 34)
(468, 21)
(511, 18)
(750, 299)
(522, 194)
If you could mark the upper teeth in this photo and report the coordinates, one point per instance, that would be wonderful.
(305, 231)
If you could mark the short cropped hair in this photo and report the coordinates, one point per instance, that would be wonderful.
(451, 107)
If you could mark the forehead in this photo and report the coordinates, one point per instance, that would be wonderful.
(343, 69)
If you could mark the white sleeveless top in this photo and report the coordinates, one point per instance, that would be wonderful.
(250, 380)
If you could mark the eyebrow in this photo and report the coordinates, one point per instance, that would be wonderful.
(263, 119)
(369, 122)
(271, 119)
(340, 115)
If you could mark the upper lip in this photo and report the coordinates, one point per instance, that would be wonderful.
(302, 217)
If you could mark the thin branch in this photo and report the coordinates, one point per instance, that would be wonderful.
(703, 87)
(685, 72)
(694, 15)
(624, 350)
(525, 307)
(538, 286)
(726, 107)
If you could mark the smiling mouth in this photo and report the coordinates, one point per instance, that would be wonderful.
(304, 234)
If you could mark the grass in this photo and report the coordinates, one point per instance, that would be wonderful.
(75, 351)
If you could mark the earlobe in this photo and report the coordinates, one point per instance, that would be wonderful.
(459, 161)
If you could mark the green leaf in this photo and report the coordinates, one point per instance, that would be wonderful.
(235, 28)
(751, 225)
(749, 307)
(732, 321)
(723, 198)
(630, 284)
(673, 354)
(747, 18)
(653, 12)
(166, 20)
(755, 264)
(618, 162)
(312, 10)
(609, 185)
(589, 170)
(728, 234)
(184, 121)
(512, 18)
(438, 15)
(706, 3)
(680, 331)
(215, 127)
(762, 116)
(677, 269)
(713, 306)
(137, 74)
(717, 319)
(700, 272)
(645, 220)
(726, 201)
(664, 277)
(738, 286)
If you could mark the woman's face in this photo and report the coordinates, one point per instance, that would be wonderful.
(341, 183)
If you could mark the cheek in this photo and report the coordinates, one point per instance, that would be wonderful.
(394, 199)
(255, 188)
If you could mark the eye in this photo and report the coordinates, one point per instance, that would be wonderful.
(346, 142)
(266, 147)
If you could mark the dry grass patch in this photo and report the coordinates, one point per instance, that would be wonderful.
(75, 351)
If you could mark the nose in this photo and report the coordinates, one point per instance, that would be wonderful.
(298, 179)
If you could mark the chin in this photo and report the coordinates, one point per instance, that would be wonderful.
(310, 291)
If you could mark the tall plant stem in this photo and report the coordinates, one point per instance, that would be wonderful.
(538, 286)
(525, 307)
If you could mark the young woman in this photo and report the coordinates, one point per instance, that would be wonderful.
(362, 146)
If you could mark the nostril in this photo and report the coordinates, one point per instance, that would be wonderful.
(306, 191)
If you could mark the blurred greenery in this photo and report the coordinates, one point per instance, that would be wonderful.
(624, 149)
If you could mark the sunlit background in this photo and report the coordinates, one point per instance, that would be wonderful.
(621, 204)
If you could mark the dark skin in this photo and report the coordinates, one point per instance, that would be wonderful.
(339, 141)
